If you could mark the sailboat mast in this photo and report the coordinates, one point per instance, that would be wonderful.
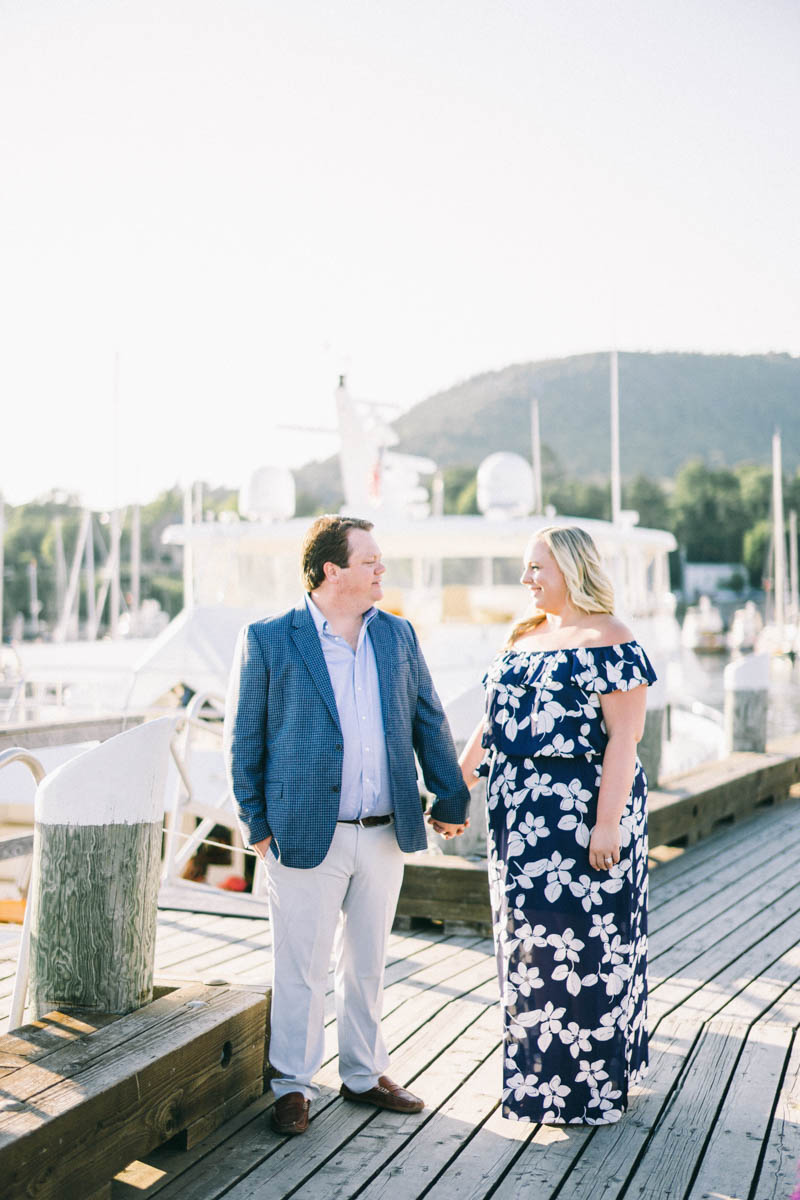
(2, 558)
(616, 486)
(136, 559)
(779, 536)
(188, 564)
(793, 583)
(536, 455)
(91, 594)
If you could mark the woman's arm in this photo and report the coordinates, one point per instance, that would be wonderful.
(472, 754)
(623, 714)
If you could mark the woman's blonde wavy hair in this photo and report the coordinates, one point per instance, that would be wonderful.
(588, 586)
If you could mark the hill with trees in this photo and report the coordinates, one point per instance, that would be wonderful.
(720, 408)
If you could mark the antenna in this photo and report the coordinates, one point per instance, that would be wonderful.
(616, 488)
(779, 536)
(536, 455)
(2, 558)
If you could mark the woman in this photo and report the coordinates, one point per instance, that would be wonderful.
(567, 840)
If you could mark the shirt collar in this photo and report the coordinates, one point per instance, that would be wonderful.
(321, 621)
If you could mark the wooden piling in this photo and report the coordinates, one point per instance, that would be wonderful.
(651, 744)
(97, 853)
(745, 712)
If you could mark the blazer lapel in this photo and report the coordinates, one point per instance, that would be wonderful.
(306, 638)
(382, 640)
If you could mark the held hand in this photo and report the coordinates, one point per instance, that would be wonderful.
(604, 847)
(446, 829)
(262, 847)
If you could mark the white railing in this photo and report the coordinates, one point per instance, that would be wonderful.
(20, 755)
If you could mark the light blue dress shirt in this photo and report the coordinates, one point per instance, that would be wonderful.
(366, 788)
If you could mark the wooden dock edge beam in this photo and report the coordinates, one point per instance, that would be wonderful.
(87, 1095)
(455, 890)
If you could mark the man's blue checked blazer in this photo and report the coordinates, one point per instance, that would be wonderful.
(283, 743)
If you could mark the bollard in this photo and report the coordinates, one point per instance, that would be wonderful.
(96, 869)
(652, 740)
(746, 683)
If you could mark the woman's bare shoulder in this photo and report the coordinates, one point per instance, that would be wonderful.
(608, 630)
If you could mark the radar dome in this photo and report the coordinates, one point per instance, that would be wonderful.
(268, 495)
(505, 486)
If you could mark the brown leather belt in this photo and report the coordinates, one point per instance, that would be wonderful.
(368, 822)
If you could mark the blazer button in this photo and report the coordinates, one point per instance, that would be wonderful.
(338, 746)
(335, 787)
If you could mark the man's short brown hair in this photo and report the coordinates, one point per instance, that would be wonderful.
(326, 541)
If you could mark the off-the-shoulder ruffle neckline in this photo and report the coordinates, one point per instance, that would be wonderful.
(572, 649)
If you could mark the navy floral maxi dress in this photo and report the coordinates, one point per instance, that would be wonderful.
(571, 941)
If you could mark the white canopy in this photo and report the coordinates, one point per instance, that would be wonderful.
(196, 649)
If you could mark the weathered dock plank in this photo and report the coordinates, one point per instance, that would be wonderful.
(72, 1117)
(730, 1159)
(376, 1156)
(779, 1172)
(730, 883)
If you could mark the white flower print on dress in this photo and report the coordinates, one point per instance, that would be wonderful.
(603, 926)
(618, 968)
(608, 1024)
(553, 1093)
(590, 891)
(572, 822)
(592, 1073)
(520, 1085)
(568, 947)
(548, 1020)
(530, 832)
(574, 796)
(604, 1097)
(578, 1040)
(525, 979)
(503, 781)
(527, 936)
(550, 711)
(558, 875)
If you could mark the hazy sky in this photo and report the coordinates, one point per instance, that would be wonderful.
(241, 198)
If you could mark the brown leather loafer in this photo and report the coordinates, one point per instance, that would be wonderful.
(290, 1113)
(387, 1094)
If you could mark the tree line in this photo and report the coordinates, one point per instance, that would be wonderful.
(718, 514)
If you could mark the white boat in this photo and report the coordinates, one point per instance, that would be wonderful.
(703, 629)
(746, 625)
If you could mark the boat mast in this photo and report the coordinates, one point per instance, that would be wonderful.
(91, 592)
(188, 565)
(793, 583)
(136, 559)
(779, 535)
(71, 606)
(61, 565)
(536, 455)
(616, 488)
(2, 557)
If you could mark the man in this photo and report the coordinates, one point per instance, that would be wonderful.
(327, 705)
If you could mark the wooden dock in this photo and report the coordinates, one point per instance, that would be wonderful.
(718, 1116)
